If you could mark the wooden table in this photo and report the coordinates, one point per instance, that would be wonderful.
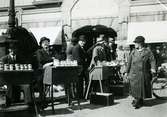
(18, 77)
(101, 73)
(61, 75)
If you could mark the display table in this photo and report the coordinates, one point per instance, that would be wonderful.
(18, 77)
(102, 73)
(61, 75)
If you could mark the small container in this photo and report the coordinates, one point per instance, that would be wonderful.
(29, 67)
(6, 66)
(21, 67)
(56, 62)
(75, 63)
(25, 67)
(11, 67)
(17, 67)
(1, 66)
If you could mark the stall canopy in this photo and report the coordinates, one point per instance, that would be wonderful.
(53, 33)
(154, 32)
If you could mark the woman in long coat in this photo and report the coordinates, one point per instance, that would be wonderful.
(140, 67)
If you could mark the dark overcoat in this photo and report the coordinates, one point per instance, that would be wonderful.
(139, 72)
(80, 55)
(42, 58)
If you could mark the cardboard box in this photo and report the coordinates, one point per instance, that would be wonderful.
(105, 99)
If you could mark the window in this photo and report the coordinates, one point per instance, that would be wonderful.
(36, 2)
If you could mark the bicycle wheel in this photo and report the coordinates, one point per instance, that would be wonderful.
(159, 88)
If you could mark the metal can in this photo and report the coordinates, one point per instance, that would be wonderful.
(17, 67)
(29, 67)
(6, 66)
(1, 66)
(11, 67)
(21, 67)
(25, 67)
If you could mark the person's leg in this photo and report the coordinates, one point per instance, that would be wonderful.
(138, 102)
(16, 93)
(9, 95)
(27, 93)
(80, 87)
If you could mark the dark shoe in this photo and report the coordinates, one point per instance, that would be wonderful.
(133, 102)
(138, 104)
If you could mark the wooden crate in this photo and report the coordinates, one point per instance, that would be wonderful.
(105, 99)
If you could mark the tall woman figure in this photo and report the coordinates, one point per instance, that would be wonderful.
(140, 67)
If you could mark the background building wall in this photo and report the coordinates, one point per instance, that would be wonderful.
(148, 10)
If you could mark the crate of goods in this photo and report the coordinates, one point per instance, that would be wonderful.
(118, 90)
(105, 99)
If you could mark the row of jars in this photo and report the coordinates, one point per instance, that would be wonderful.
(111, 63)
(56, 62)
(17, 67)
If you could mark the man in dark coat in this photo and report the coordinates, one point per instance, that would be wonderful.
(101, 53)
(13, 91)
(44, 59)
(140, 67)
(79, 54)
(113, 48)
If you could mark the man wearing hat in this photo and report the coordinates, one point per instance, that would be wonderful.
(44, 59)
(70, 45)
(100, 52)
(113, 48)
(79, 54)
(140, 68)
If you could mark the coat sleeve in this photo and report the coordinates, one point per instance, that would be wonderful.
(95, 55)
(76, 54)
(38, 58)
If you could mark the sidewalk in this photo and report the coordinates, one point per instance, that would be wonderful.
(121, 108)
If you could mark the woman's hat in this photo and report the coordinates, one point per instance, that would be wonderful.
(139, 39)
(82, 38)
(43, 39)
(74, 40)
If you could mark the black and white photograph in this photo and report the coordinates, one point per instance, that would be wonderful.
(83, 58)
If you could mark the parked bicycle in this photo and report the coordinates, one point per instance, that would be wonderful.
(159, 83)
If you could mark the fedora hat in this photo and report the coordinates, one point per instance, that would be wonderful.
(43, 39)
(139, 39)
(82, 38)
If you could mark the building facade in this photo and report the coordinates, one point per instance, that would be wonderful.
(33, 15)
(148, 18)
(50, 13)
